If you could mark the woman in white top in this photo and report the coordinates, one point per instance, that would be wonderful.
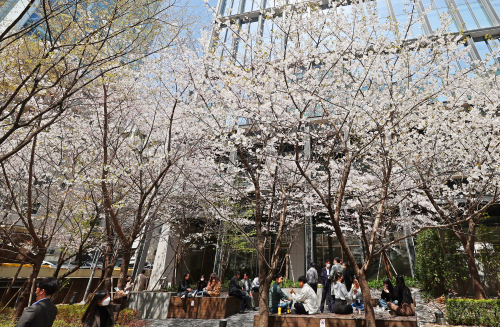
(356, 295)
(307, 301)
(341, 306)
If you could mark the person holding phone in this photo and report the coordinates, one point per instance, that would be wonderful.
(356, 295)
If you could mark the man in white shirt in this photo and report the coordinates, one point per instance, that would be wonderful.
(307, 301)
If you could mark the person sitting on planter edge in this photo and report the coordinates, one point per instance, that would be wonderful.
(387, 294)
(214, 286)
(356, 295)
(236, 290)
(402, 294)
(340, 306)
(184, 287)
(307, 301)
(276, 295)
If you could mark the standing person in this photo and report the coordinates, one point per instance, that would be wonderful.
(129, 285)
(140, 282)
(276, 295)
(325, 281)
(236, 290)
(247, 287)
(356, 296)
(337, 267)
(43, 312)
(312, 277)
(100, 312)
(402, 294)
(213, 287)
(348, 276)
(184, 288)
(387, 294)
(341, 306)
(306, 303)
(255, 285)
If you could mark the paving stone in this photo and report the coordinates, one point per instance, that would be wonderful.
(237, 320)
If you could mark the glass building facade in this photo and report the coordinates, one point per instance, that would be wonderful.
(474, 18)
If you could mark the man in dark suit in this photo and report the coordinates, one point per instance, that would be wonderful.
(42, 313)
(236, 290)
(325, 281)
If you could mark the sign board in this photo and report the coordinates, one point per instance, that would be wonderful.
(322, 323)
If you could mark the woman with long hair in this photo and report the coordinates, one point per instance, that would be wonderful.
(100, 311)
(387, 294)
(340, 291)
(402, 294)
(214, 286)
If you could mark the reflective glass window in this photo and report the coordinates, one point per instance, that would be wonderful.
(234, 8)
(484, 50)
(496, 5)
(467, 16)
(383, 12)
(481, 16)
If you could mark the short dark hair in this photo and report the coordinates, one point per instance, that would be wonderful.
(337, 259)
(327, 260)
(186, 274)
(49, 284)
(303, 279)
(144, 271)
(237, 273)
(128, 276)
(246, 274)
(312, 265)
(277, 276)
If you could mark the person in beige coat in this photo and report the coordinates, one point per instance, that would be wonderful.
(140, 282)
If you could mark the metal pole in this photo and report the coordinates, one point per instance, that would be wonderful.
(92, 267)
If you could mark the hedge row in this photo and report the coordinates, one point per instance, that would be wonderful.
(472, 312)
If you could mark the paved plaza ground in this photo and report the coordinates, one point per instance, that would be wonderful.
(237, 320)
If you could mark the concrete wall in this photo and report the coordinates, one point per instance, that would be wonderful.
(151, 305)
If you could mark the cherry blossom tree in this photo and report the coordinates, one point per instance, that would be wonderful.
(341, 94)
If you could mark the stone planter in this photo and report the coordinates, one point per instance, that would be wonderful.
(151, 305)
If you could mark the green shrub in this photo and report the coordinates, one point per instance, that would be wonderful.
(71, 315)
(438, 267)
(472, 312)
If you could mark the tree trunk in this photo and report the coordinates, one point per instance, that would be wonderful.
(108, 266)
(264, 285)
(367, 299)
(23, 302)
(479, 292)
(124, 268)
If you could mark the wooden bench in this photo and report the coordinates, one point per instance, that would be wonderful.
(332, 320)
(203, 307)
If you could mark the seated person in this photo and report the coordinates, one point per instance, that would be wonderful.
(236, 290)
(255, 285)
(340, 291)
(213, 287)
(386, 295)
(356, 295)
(199, 287)
(276, 295)
(402, 294)
(184, 287)
(307, 301)
(245, 284)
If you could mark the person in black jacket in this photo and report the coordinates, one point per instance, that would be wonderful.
(43, 312)
(202, 284)
(184, 287)
(348, 277)
(101, 311)
(402, 294)
(325, 281)
(387, 293)
(236, 290)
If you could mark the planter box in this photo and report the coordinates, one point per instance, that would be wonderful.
(151, 305)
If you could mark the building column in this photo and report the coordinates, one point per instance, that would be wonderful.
(163, 264)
